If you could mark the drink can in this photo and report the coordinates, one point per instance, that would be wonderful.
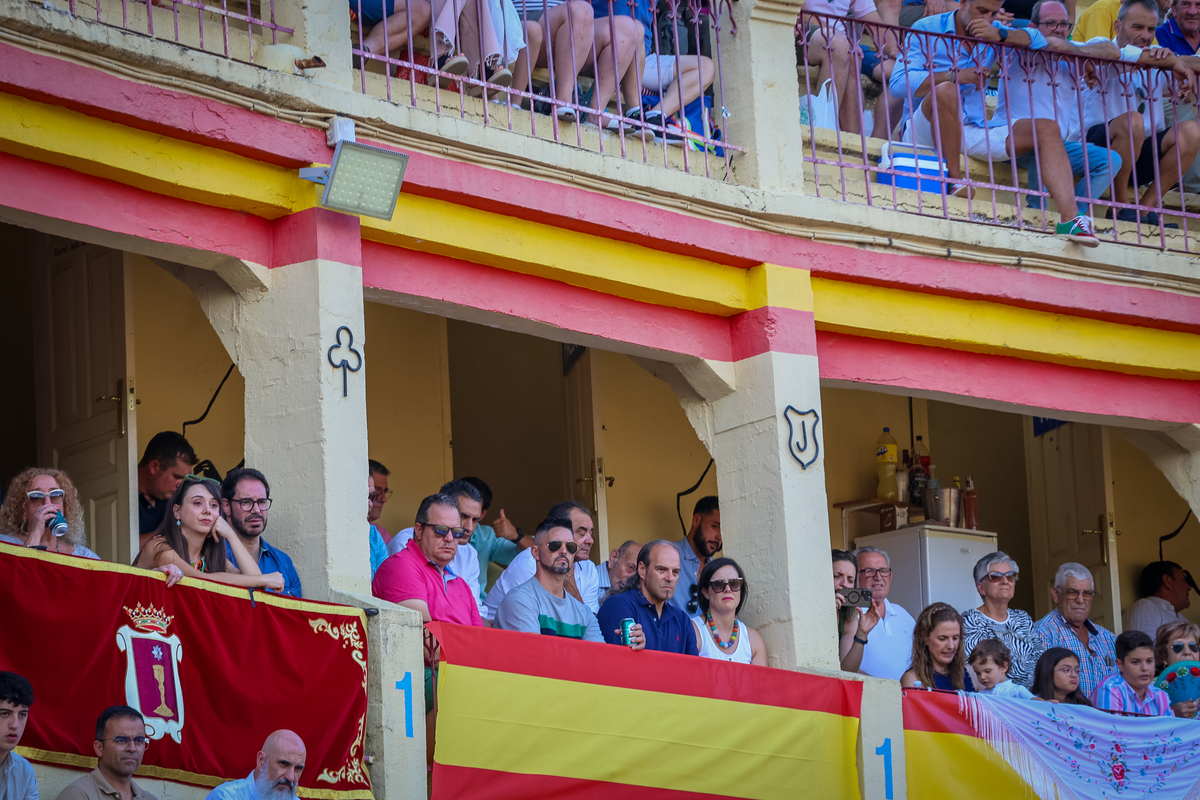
(626, 627)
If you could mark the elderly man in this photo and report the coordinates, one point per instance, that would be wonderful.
(1165, 592)
(120, 746)
(620, 567)
(276, 772)
(658, 625)
(465, 563)
(17, 779)
(1100, 19)
(583, 583)
(541, 604)
(168, 458)
(703, 540)
(245, 500)
(888, 648)
(1181, 35)
(1068, 626)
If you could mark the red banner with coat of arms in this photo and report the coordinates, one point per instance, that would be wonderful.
(212, 670)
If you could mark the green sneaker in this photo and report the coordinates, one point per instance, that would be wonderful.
(1079, 230)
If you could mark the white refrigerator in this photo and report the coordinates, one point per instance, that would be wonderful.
(932, 563)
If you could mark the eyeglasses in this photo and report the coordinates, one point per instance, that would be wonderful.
(443, 530)
(1075, 594)
(869, 572)
(1065, 25)
(1179, 646)
(558, 544)
(192, 477)
(124, 741)
(996, 577)
(40, 497)
(386, 494)
(1067, 670)
(247, 503)
(733, 585)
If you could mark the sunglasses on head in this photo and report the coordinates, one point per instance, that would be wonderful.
(733, 585)
(443, 530)
(1179, 646)
(191, 477)
(53, 494)
(557, 544)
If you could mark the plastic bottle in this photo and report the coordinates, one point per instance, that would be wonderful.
(970, 506)
(918, 473)
(886, 457)
(921, 454)
(932, 512)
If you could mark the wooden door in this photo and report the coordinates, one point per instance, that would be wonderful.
(1069, 476)
(585, 443)
(85, 387)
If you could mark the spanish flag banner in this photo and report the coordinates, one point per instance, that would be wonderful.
(974, 746)
(523, 715)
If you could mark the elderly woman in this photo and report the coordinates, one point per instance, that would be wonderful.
(34, 499)
(722, 593)
(1178, 641)
(939, 660)
(996, 579)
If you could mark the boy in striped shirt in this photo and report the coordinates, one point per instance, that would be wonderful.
(1130, 690)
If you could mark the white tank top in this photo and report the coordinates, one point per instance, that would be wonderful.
(709, 649)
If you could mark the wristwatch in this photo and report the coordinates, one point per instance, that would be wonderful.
(1003, 34)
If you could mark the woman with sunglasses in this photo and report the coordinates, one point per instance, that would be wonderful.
(192, 538)
(721, 593)
(1178, 641)
(34, 499)
(996, 580)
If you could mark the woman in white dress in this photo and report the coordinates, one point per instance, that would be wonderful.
(721, 593)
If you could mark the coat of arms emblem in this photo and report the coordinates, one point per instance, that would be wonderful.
(152, 670)
(802, 435)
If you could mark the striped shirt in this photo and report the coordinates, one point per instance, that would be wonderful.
(1115, 694)
(1017, 634)
(1097, 660)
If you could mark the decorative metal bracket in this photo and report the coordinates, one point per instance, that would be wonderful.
(803, 443)
(344, 364)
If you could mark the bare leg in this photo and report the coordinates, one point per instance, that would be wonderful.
(945, 96)
(1186, 137)
(1126, 135)
(571, 30)
(392, 33)
(629, 38)
(832, 56)
(888, 107)
(531, 53)
(1052, 162)
(695, 75)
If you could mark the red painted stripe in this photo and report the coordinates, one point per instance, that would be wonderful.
(469, 783)
(316, 233)
(609, 665)
(780, 330)
(934, 712)
(1036, 385)
(561, 305)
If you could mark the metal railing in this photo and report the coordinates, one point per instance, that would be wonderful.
(638, 78)
(996, 148)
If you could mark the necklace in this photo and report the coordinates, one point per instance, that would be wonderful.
(712, 628)
(201, 565)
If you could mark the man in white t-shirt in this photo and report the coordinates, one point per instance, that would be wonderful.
(583, 583)
(888, 650)
(465, 563)
(1165, 592)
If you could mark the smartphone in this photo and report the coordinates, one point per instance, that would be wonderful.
(856, 598)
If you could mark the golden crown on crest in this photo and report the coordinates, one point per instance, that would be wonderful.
(149, 619)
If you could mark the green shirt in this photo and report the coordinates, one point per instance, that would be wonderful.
(490, 547)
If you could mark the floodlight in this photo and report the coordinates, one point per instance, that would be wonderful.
(361, 180)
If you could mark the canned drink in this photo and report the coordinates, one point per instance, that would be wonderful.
(626, 628)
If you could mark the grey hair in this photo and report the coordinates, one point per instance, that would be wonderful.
(1074, 570)
(1035, 17)
(625, 546)
(864, 550)
(1149, 5)
(981, 566)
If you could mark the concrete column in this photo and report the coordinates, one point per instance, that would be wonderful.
(322, 29)
(1176, 452)
(758, 65)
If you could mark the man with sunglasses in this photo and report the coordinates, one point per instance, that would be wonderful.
(542, 604)
(245, 499)
(1068, 626)
(120, 745)
(465, 562)
(1165, 593)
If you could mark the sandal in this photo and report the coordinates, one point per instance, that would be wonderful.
(454, 65)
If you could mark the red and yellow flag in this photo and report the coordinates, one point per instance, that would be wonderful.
(522, 715)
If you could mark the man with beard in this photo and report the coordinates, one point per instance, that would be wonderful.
(541, 604)
(644, 599)
(697, 548)
(120, 745)
(245, 500)
(276, 773)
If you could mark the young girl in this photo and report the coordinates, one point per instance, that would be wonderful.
(1056, 677)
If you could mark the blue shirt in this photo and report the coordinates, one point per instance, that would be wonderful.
(1170, 37)
(235, 790)
(689, 574)
(379, 551)
(914, 68)
(273, 560)
(641, 11)
(17, 778)
(489, 547)
(671, 633)
(1097, 661)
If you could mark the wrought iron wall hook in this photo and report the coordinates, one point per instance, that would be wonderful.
(344, 364)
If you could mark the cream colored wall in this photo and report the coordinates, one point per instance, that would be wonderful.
(651, 450)
(408, 406)
(1147, 508)
(180, 362)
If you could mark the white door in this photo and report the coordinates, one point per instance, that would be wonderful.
(1069, 476)
(85, 389)
(585, 444)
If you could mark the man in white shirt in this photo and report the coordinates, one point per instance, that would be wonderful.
(583, 583)
(465, 563)
(888, 650)
(1165, 592)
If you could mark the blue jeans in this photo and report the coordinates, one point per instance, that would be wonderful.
(1098, 178)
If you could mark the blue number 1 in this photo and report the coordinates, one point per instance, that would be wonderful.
(405, 686)
(886, 752)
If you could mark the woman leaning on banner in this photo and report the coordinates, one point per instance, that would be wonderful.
(1175, 642)
(939, 660)
(193, 536)
(996, 577)
(34, 499)
(721, 592)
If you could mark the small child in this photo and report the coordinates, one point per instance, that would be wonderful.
(1130, 689)
(991, 660)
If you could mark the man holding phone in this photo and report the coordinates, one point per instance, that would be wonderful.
(885, 630)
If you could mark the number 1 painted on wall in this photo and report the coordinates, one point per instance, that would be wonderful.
(405, 685)
(886, 752)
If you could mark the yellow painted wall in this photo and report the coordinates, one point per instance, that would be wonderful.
(17, 398)
(651, 450)
(408, 404)
(180, 361)
(1147, 508)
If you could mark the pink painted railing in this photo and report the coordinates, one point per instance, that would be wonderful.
(589, 43)
(1008, 85)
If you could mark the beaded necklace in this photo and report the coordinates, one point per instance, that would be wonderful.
(201, 565)
(712, 628)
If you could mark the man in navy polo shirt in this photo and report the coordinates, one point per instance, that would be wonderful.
(1181, 35)
(245, 499)
(663, 626)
